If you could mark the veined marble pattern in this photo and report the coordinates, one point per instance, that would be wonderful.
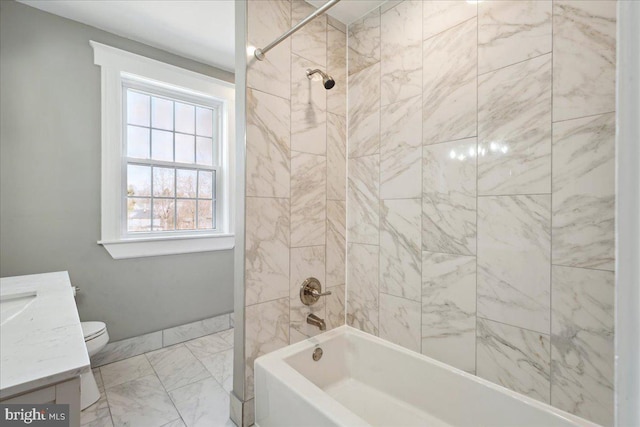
(582, 354)
(400, 321)
(401, 149)
(514, 129)
(364, 112)
(338, 25)
(337, 68)
(335, 307)
(266, 330)
(193, 330)
(400, 264)
(267, 249)
(449, 197)
(125, 370)
(364, 42)
(512, 31)
(308, 199)
(266, 20)
(449, 84)
(363, 200)
(514, 358)
(308, 108)
(401, 50)
(220, 366)
(129, 347)
(584, 192)
(440, 15)
(584, 58)
(336, 242)
(268, 145)
(449, 309)
(514, 251)
(202, 404)
(176, 366)
(336, 157)
(306, 262)
(362, 292)
(310, 41)
(209, 345)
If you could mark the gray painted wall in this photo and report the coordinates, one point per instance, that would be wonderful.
(50, 182)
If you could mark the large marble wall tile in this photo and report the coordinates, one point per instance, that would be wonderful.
(364, 42)
(306, 262)
(266, 330)
(512, 31)
(584, 192)
(449, 197)
(308, 108)
(308, 199)
(440, 15)
(336, 242)
(449, 309)
(311, 40)
(514, 251)
(267, 249)
(401, 149)
(362, 292)
(582, 353)
(266, 20)
(449, 84)
(336, 157)
(514, 129)
(514, 358)
(268, 145)
(335, 307)
(337, 68)
(400, 321)
(401, 52)
(400, 264)
(584, 58)
(363, 200)
(364, 112)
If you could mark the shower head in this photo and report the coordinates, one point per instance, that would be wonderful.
(327, 80)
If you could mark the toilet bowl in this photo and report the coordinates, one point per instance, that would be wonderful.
(95, 338)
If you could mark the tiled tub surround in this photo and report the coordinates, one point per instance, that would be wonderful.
(480, 196)
(296, 177)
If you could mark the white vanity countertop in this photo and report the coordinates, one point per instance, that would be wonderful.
(43, 344)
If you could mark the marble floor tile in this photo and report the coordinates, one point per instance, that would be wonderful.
(193, 330)
(175, 423)
(364, 112)
(98, 377)
(441, 15)
(227, 335)
(305, 263)
(203, 404)
(512, 31)
(514, 251)
(335, 307)
(364, 42)
(308, 199)
(308, 108)
(514, 129)
(141, 403)
(362, 292)
(336, 157)
(220, 366)
(337, 68)
(400, 321)
(97, 413)
(583, 352)
(584, 192)
(363, 192)
(336, 243)
(210, 344)
(176, 366)
(98, 422)
(311, 40)
(125, 370)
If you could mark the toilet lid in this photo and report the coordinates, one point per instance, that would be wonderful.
(92, 329)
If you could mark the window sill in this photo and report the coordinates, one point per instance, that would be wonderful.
(157, 246)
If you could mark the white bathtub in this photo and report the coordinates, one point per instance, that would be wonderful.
(362, 380)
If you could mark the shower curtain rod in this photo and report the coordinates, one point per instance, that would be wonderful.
(260, 53)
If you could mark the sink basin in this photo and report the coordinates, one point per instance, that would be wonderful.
(13, 304)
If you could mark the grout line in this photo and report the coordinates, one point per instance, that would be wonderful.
(580, 117)
(514, 326)
(551, 222)
(447, 29)
(582, 268)
(514, 63)
(475, 347)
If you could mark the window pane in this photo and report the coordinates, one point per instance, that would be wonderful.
(185, 150)
(163, 182)
(204, 122)
(137, 108)
(162, 145)
(185, 118)
(161, 113)
(205, 214)
(164, 214)
(186, 183)
(137, 142)
(204, 151)
(205, 185)
(138, 214)
(138, 180)
(186, 215)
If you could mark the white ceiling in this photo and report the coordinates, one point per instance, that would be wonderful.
(348, 11)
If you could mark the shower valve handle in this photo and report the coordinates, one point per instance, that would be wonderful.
(311, 291)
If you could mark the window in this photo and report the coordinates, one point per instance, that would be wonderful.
(167, 145)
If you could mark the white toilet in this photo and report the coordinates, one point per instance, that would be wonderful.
(95, 338)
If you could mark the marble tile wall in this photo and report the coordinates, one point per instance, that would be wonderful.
(296, 177)
(480, 190)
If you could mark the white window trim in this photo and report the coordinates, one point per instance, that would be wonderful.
(115, 65)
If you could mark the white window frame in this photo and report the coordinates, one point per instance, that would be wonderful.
(118, 68)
